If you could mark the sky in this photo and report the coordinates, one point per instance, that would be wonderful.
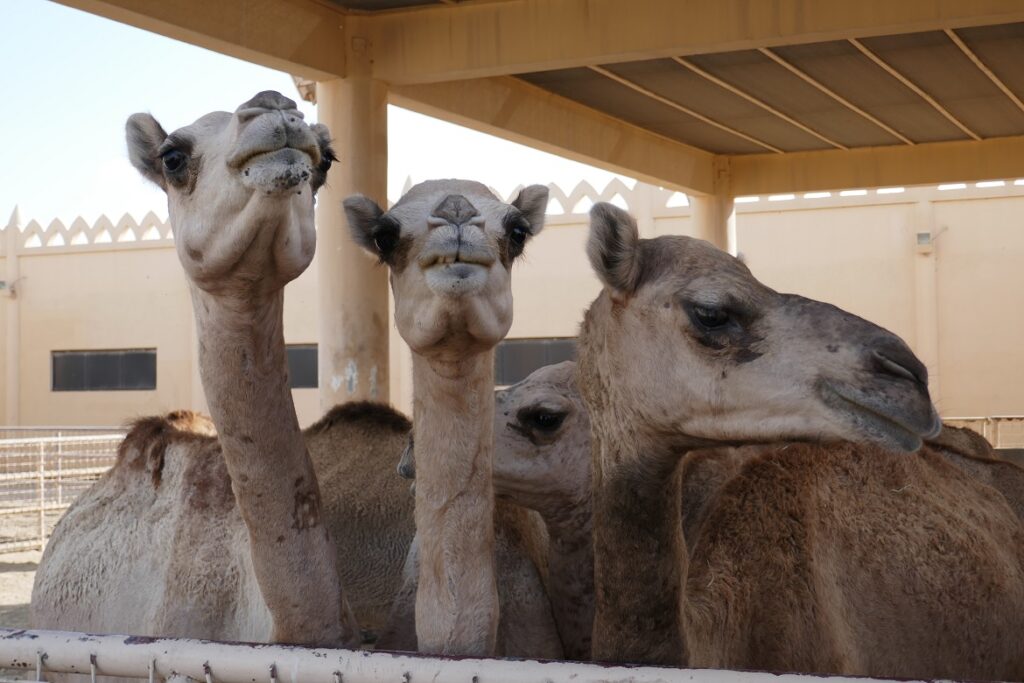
(70, 79)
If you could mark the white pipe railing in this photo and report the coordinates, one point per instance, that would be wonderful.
(213, 662)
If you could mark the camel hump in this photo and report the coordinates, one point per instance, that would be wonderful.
(369, 413)
(146, 442)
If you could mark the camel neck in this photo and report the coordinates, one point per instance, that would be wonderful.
(639, 559)
(571, 576)
(453, 415)
(243, 367)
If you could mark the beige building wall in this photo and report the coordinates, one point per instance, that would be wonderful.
(952, 297)
(979, 248)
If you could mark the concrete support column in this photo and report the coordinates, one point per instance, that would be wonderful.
(714, 215)
(714, 220)
(353, 294)
(12, 357)
(926, 299)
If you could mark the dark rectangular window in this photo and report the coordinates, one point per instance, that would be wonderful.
(302, 366)
(514, 359)
(116, 370)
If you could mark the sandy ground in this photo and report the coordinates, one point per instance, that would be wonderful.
(17, 570)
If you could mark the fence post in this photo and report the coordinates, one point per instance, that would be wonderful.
(41, 489)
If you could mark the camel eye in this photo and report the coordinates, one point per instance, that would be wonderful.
(174, 161)
(710, 318)
(542, 420)
(518, 233)
(386, 237)
(385, 241)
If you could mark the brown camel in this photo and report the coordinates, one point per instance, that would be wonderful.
(450, 246)
(542, 460)
(684, 348)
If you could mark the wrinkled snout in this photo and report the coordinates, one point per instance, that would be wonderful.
(873, 386)
(457, 254)
(900, 385)
(273, 147)
(885, 397)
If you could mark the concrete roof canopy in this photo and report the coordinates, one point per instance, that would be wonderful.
(729, 96)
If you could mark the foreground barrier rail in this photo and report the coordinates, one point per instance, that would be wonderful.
(38, 652)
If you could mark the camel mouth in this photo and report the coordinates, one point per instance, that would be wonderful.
(277, 172)
(456, 278)
(459, 253)
(244, 158)
(874, 424)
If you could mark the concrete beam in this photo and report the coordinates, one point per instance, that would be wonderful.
(302, 38)
(514, 110)
(473, 40)
(937, 162)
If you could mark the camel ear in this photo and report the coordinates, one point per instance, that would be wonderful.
(144, 136)
(532, 202)
(374, 231)
(614, 248)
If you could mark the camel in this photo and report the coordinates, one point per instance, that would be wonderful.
(541, 463)
(684, 349)
(240, 193)
(450, 246)
(158, 546)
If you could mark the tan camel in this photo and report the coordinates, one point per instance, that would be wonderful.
(450, 247)
(684, 348)
(240, 192)
(158, 546)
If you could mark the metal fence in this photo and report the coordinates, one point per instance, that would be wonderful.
(42, 470)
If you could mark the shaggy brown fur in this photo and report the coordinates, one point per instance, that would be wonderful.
(794, 566)
(147, 439)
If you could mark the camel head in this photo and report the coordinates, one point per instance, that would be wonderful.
(238, 180)
(450, 245)
(688, 348)
(542, 442)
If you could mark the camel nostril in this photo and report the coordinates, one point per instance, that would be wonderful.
(900, 363)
